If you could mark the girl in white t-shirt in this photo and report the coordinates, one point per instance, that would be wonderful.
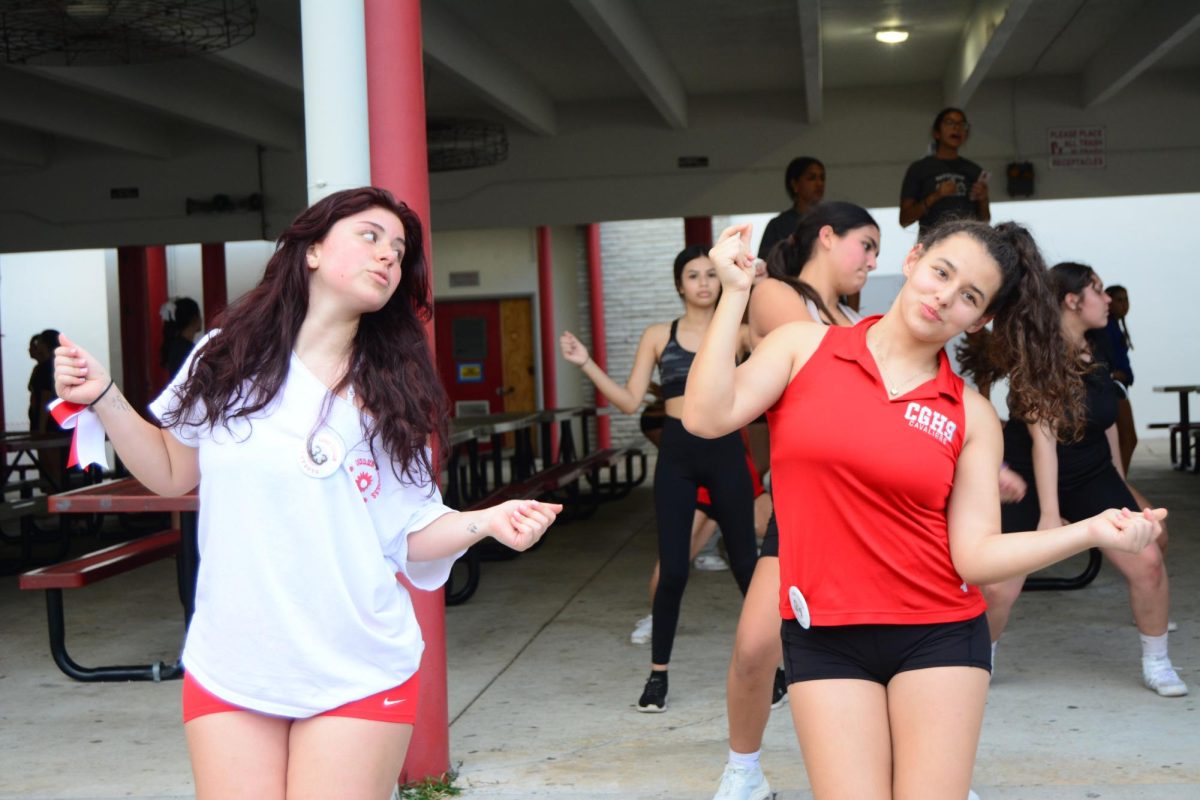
(308, 415)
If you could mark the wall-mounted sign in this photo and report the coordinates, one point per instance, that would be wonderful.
(1077, 147)
(470, 373)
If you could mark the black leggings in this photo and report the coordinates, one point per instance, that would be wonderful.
(685, 463)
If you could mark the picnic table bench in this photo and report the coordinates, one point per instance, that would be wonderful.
(126, 496)
(609, 474)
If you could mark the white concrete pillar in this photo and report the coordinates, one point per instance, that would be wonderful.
(337, 139)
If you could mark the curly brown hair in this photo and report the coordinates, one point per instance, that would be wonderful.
(1045, 379)
(239, 371)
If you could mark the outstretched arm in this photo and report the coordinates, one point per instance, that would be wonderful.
(518, 524)
(981, 553)
(152, 454)
(629, 397)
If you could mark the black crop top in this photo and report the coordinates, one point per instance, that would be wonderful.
(673, 366)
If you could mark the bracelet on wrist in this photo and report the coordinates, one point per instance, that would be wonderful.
(101, 395)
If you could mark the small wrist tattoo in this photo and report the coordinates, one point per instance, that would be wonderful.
(473, 528)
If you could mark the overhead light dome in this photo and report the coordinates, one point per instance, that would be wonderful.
(891, 35)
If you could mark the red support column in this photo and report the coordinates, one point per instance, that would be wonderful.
(212, 270)
(399, 163)
(142, 288)
(156, 295)
(599, 342)
(548, 334)
(697, 230)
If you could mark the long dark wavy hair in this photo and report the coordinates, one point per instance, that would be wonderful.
(1026, 344)
(239, 371)
(788, 257)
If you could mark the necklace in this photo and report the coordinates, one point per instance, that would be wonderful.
(895, 388)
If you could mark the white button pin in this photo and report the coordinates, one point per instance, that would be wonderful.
(325, 455)
(799, 607)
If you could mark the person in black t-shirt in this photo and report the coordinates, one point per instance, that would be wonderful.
(804, 181)
(944, 185)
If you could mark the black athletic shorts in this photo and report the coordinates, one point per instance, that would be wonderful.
(880, 652)
(770, 542)
(1078, 498)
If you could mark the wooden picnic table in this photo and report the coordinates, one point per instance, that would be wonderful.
(1184, 391)
(16, 445)
(129, 496)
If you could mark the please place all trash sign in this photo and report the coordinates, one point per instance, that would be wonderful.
(1077, 147)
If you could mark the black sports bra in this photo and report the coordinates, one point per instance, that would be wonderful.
(673, 366)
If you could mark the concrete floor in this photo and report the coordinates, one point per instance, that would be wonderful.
(543, 680)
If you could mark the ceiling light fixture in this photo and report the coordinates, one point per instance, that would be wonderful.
(891, 35)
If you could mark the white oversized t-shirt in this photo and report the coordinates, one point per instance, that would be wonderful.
(298, 609)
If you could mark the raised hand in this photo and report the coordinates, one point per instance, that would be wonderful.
(979, 191)
(78, 376)
(1125, 529)
(732, 258)
(572, 349)
(519, 524)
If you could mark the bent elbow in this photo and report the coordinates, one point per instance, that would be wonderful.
(696, 425)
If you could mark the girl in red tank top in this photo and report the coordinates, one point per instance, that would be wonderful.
(884, 468)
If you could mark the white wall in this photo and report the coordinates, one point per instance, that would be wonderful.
(47, 290)
(1143, 243)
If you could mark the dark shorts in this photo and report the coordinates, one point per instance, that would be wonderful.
(880, 652)
(770, 542)
(1078, 498)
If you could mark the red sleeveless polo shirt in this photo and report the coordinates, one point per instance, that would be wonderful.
(861, 487)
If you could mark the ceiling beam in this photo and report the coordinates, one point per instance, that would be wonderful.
(626, 37)
(451, 46)
(810, 56)
(1152, 32)
(272, 55)
(984, 38)
(192, 91)
(40, 105)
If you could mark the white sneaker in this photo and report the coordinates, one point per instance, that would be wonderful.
(1159, 676)
(971, 795)
(743, 783)
(710, 562)
(641, 631)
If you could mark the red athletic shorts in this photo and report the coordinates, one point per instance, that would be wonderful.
(394, 705)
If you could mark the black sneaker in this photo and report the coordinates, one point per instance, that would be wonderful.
(779, 690)
(654, 696)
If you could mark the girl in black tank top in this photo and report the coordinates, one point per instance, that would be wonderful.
(685, 462)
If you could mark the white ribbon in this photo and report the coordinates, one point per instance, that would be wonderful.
(87, 445)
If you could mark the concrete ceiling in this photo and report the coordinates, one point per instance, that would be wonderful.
(532, 64)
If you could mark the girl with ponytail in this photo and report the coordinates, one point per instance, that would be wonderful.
(1080, 474)
(884, 472)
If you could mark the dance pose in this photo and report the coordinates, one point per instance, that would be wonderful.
(1076, 479)
(884, 470)
(309, 416)
(685, 462)
(833, 249)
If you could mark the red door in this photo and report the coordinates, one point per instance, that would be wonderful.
(470, 355)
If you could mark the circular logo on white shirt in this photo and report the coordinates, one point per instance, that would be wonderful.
(321, 456)
(365, 473)
(799, 607)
